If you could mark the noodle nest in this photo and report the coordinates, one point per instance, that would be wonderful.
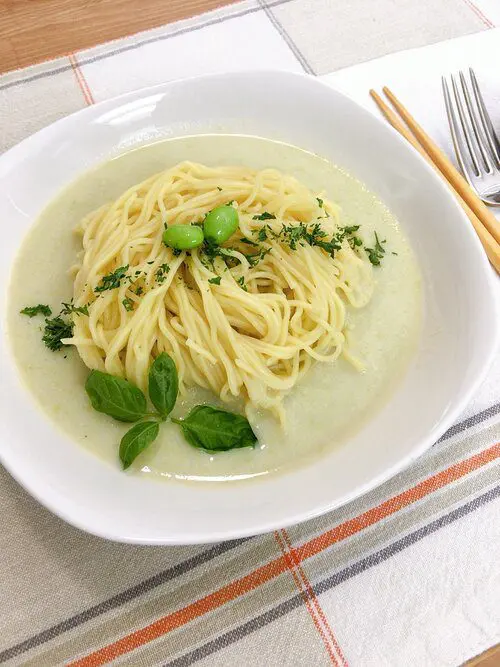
(246, 321)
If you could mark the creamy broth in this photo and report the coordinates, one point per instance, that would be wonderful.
(323, 410)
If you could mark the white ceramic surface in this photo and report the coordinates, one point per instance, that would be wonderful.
(459, 333)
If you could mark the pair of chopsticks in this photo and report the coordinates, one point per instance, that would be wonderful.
(484, 222)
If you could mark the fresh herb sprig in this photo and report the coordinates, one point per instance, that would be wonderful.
(216, 430)
(376, 253)
(41, 309)
(205, 427)
(128, 304)
(314, 235)
(69, 308)
(54, 331)
(112, 280)
(161, 274)
(265, 216)
(57, 328)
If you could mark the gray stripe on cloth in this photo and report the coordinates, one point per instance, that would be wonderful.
(144, 42)
(267, 7)
(121, 598)
(331, 582)
(474, 420)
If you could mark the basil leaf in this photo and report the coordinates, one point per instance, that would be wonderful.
(115, 397)
(163, 384)
(216, 430)
(136, 440)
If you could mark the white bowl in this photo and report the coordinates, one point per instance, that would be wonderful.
(459, 331)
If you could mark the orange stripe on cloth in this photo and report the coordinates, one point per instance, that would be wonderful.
(279, 565)
(319, 608)
(385, 509)
(182, 616)
(479, 13)
(308, 596)
(81, 80)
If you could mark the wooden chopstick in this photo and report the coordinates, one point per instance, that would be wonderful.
(447, 168)
(442, 165)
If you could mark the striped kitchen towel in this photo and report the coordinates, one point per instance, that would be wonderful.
(409, 574)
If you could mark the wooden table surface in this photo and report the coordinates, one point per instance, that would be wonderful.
(77, 24)
(35, 30)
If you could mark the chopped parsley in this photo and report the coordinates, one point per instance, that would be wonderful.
(41, 309)
(128, 304)
(320, 202)
(262, 233)
(215, 281)
(138, 290)
(161, 274)
(55, 330)
(265, 216)
(376, 253)
(112, 280)
(219, 189)
(68, 308)
(313, 235)
(257, 257)
(349, 234)
(209, 251)
(249, 242)
(241, 282)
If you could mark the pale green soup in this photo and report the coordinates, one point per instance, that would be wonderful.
(330, 403)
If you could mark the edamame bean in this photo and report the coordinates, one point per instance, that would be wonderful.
(183, 237)
(220, 224)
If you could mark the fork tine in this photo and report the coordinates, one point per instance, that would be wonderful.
(465, 129)
(487, 126)
(480, 140)
(460, 148)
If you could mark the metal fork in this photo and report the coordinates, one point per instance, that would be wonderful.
(476, 145)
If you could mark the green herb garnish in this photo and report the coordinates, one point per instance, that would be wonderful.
(161, 274)
(128, 304)
(376, 253)
(249, 242)
(163, 384)
(241, 282)
(320, 202)
(265, 216)
(115, 396)
(54, 331)
(68, 308)
(112, 280)
(41, 309)
(262, 233)
(136, 440)
(313, 235)
(254, 259)
(216, 430)
(205, 427)
(215, 281)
